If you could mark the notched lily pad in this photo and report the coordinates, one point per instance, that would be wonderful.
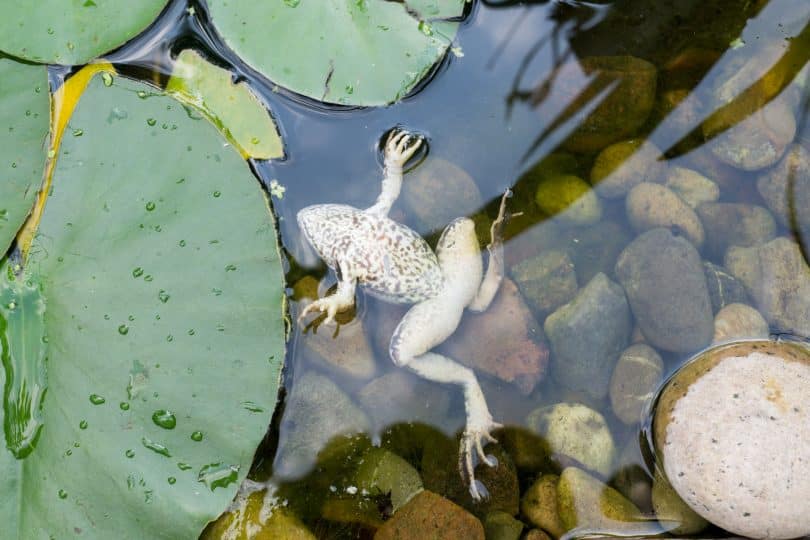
(24, 118)
(72, 31)
(232, 108)
(156, 256)
(348, 52)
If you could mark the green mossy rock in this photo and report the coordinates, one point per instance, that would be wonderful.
(584, 501)
(384, 472)
(569, 198)
(501, 526)
(539, 505)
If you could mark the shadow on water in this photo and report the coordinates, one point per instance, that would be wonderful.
(530, 96)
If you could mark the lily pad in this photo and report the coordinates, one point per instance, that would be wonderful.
(157, 262)
(350, 52)
(24, 118)
(233, 108)
(72, 31)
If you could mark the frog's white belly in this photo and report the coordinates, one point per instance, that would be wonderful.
(390, 260)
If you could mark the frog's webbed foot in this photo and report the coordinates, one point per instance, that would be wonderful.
(472, 447)
(400, 147)
(329, 305)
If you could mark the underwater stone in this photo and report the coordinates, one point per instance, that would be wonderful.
(547, 281)
(675, 515)
(735, 224)
(576, 431)
(778, 280)
(623, 165)
(739, 321)
(539, 505)
(691, 186)
(731, 430)
(439, 191)
(595, 249)
(786, 191)
(502, 526)
(724, 289)
(663, 277)
(382, 471)
(568, 199)
(245, 518)
(651, 205)
(431, 517)
(635, 379)
(400, 396)
(583, 501)
(316, 412)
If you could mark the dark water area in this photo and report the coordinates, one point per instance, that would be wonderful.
(519, 86)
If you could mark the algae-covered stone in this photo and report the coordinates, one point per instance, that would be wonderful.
(431, 517)
(778, 280)
(587, 335)
(569, 198)
(578, 432)
(674, 514)
(663, 277)
(539, 505)
(651, 205)
(384, 472)
(528, 451)
(735, 224)
(584, 501)
(501, 526)
(635, 379)
(623, 165)
(691, 186)
(739, 321)
(317, 411)
(439, 191)
(249, 519)
(623, 110)
(731, 432)
(724, 288)
(547, 281)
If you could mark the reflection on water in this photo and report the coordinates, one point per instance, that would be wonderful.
(660, 156)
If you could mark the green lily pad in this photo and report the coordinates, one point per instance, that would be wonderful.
(24, 120)
(72, 31)
(232, 108)
(157, 262)
(351, 52)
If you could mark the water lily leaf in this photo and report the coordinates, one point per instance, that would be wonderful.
(232, 108)
(157, 262)
(348, 51)
(24, 117)
(72, 31)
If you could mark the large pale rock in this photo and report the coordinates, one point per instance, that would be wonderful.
(732, 429)
(504, 341)
(651, 205)
(431, 517)
(587, 335)
(663, 277)
(778, 279)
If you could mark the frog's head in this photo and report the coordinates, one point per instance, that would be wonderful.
(458, 241)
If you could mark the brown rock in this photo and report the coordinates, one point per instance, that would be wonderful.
(536, 534)
(431, 517)
(504, 341)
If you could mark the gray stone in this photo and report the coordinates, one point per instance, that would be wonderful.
(724, 289)
(595, 249)
(735, 224)
(587, 335)
(691, 186)
(575, 431)
(778, 280)
(650, 206)
(786, 188)
(731, 431)
(316, 412)
(400, 396)
(739, 321)
(634, 382)
(663, 277)
(546, 281)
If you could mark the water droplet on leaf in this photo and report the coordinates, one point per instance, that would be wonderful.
(164, 419)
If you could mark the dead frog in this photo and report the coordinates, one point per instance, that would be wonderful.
(392, 262)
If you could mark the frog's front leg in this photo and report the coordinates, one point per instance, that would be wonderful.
(341, 300)
(400, 146)
(494, 276)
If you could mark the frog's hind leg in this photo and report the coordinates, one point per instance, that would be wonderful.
(399, 148)
(426, 325)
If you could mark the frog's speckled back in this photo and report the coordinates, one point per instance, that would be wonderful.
(386, 257)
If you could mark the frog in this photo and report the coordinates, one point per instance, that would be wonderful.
(390, 261)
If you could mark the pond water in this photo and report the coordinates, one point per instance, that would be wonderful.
(608, 120)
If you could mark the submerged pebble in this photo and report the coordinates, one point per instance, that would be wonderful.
(653, 205)
(732, 430)
(623, 165)
(691, 186)
(634, 381)
(739, 321)
(428, 516)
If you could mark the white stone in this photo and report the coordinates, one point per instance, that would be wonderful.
(737, 445)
